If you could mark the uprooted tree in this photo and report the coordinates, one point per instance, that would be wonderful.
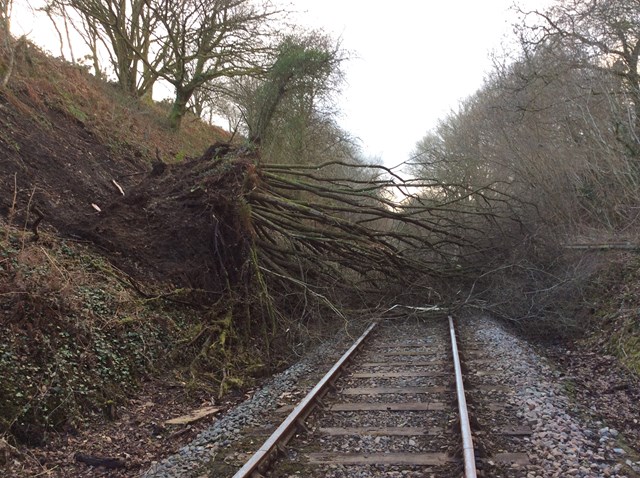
(263, 241)
(269, 247)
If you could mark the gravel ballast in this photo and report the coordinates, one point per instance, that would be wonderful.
(255, 412)
(562, 443)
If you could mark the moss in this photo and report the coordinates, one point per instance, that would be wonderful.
(615, 308)
(569, 388)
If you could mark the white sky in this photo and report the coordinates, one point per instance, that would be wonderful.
(412, 60)
(415, 60)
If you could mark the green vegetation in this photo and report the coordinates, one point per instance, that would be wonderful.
(75, 339)
(616, 313)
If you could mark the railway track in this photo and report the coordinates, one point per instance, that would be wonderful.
(393, 405)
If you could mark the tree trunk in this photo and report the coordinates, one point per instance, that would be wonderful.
(6, 43)
(147, 96)
(179, 108)
(9, 46)
(635, 98)
(125, 80)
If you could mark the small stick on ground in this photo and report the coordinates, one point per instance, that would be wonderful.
(26, 219)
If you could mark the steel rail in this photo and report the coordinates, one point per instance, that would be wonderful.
(468, 453)
(289, 426)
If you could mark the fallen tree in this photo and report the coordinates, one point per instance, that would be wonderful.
(265, 248)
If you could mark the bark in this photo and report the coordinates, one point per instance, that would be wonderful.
(6, 41)
(179, 108)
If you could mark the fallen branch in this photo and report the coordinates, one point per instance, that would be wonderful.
(111, 463)
(604, 247)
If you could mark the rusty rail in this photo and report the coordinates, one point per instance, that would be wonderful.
(296, 418)
(468, 453)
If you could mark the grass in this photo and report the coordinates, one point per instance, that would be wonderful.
(127, 124)
(616, 322)
(625, 343)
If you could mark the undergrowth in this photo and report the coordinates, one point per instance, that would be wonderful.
(128, 125)
(77, 333)
(617, 320)
(76, 338)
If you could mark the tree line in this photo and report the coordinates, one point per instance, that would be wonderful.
(238, 59)
(555, 127)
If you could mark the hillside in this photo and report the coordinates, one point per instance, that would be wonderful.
(84, 133)
(93, 301)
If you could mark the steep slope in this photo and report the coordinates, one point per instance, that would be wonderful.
(65, 137)
(88, 301)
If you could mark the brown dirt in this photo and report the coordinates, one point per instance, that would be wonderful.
(609, 391)
(184, 223)
(65, 137)
(64, 166)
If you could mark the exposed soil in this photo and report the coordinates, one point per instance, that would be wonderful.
(71, 145)
(57, 163)
(162, 228)
(182, 223)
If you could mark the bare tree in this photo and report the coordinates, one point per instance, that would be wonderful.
(125, 29)
(206, 40)
(607, 32)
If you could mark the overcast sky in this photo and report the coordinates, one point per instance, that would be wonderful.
(412, 61)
